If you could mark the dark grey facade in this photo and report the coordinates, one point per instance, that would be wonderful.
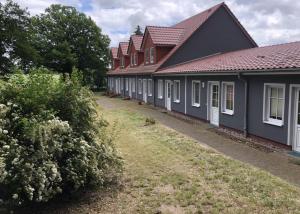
(219, 34)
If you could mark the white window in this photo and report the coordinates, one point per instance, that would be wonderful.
(160, 89)
(122, 84)
(122, 62)
(196, 93)
(131, 60)
(126, 84)
(140, 86)
(176, 91)
(147, 56)
(152, 55)
(273, 111)
(228, 98)
(149, 87)
(133, 84)
(135, 59)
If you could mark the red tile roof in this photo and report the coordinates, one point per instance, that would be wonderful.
(283, 56)
(142, 69)
(137, 41)
(123, 47)
(114, 52)
(179, 33)
(165, 35)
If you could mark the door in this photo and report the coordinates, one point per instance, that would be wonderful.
(297, 121)
(145, 90)
(168, 94)
(214, 104)
(130, 88)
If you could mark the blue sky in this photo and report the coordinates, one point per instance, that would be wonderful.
(268, 22)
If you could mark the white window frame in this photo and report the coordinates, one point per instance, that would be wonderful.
(131, 59)
(151, 55)
(135, 58)
(175, 92)
(147, 56)
(122, 62)
(266, 104)
(126, 84)
(133, 85)
(149, 87)
(122, 83)
(160, 89)
(224, 98)
(140, 84)
(193, 92)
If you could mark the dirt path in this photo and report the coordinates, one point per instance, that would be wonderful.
(276, 163)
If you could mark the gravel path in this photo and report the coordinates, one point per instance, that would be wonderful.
(276, 163)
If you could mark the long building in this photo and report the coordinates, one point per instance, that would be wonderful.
(208, 67)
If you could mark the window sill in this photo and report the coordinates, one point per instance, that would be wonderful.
(274, 123)
(196, 105)
(150, 95)
(228, 112)
(160, 97)
(176, 101)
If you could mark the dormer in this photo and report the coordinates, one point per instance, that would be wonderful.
(134, 50)
(158, 42)
(122, 54)
(115, 62)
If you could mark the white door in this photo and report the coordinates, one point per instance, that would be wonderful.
(297, 122)
(214, 104)
(168, 94)
(130, 89)
(145, 90)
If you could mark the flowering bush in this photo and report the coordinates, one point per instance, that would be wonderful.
(51, 139)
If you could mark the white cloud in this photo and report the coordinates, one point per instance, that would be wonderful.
(268, 21)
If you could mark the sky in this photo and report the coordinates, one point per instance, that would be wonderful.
(267, 21)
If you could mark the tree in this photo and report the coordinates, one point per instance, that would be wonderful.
(15, 35)
(66, 38)
(138, 31)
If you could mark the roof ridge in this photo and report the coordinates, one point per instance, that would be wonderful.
(171, 27)
(279, 44)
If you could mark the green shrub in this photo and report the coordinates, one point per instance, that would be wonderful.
(51, 138)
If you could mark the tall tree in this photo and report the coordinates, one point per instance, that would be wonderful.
(66, 38)
(15, 48)
(138, 30)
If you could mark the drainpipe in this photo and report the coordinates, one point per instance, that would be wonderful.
(154, 92)
(245, 80)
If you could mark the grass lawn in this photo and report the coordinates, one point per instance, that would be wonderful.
(167, 172)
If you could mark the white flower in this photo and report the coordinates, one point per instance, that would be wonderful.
(15, 196)
(5, 132)
(6, 147)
